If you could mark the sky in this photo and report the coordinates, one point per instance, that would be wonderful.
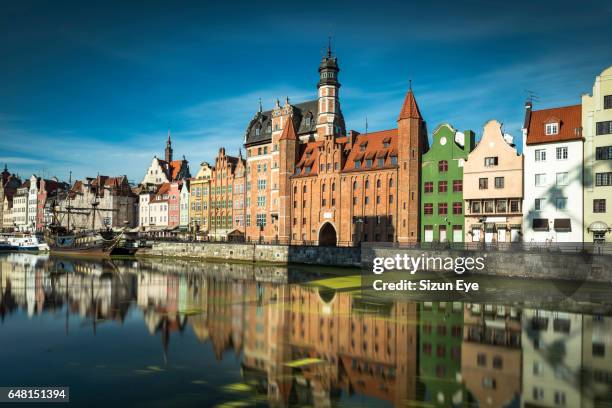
(93, 87)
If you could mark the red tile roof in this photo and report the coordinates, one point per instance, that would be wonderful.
(288, 131)
(568, 117)
(374, 148)
(410, 109)
(308, 156)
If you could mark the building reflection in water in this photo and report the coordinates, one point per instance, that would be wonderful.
(299, 344)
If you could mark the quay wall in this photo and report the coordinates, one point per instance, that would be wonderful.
(514, 264)
(285, 254)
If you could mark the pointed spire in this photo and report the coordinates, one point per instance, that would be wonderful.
(329, 51)
(410, 109)
(260, 106)
(286, 101)
(288, 130)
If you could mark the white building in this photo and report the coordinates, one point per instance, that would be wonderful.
(184, 205)
(553, 199)
(20, 206)
(167, 170)
(154, 209)
(552, 358)
(32, 203)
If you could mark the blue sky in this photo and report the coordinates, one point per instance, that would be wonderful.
(93, 87)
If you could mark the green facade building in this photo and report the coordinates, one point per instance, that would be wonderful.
(442, 205)
(440, 340)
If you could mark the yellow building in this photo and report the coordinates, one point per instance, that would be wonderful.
(199, 208)
(597, 133)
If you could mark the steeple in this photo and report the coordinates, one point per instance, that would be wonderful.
(410, 109)
(328, 70)
(168, 156)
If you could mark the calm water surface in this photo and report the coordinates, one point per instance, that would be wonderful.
(169, 333)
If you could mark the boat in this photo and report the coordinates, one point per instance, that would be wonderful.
(28, 242)
(6, 247)
(98, 243)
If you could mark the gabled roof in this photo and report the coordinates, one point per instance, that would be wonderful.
(410, 109)
(263, 121)
(570, 124)
(374, 149)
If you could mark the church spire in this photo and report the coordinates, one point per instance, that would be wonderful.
(328, 70)
(168, 155)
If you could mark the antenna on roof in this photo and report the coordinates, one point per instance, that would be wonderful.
(532, 95)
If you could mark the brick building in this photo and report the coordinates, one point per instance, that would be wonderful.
(311, 182)
(199, 210)
(226, 197)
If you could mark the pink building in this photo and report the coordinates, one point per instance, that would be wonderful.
(174, 209)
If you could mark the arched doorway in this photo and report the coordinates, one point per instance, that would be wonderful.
(327, 235)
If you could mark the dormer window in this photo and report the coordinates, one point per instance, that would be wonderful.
(307, 120)
(552, 128)
(269, 128)
(257, 131)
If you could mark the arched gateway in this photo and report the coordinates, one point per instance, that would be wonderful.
(327, 235)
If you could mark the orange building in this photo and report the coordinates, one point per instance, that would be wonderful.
(311, 182)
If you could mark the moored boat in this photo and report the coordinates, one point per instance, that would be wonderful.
(28, 242)
(99, 243)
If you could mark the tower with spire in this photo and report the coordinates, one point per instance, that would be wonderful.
(168, 156)
(330, 122)
(412, 143)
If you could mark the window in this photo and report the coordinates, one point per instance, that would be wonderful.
(368, 163)
(261, 184)
(561, 203)
(489, 206)
(540, 155)
(457, 186)
(603, 128)
(498, 363)
(540, 180)
(428, 187)
(483, 183)
(457, 208)
(608, 102)
(603, 179)
(599, 205)
(562, 179)
(538, 204)
(442, 186)
(476, 207)
(381, 162)
(442, 208)
(561, 153)
(538, 393)
(367, 184)
(552, 128)
(394, 160)
(261, 220)
(481, 360)
(442, 166)
(603, 153)
(490, 161)
(514, 206)
(357, 164)
(261, 201)
(559, 398)
(499, 182)
(428, 208)
(501, 206)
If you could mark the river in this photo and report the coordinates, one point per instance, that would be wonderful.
(160, 333)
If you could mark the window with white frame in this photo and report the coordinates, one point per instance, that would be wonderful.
(561, 203)
(562, 179)
(540, 180)
(540, 155)
(552, 128)
(538, 204)
(562, 153)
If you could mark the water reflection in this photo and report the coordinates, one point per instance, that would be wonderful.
(294, 344)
